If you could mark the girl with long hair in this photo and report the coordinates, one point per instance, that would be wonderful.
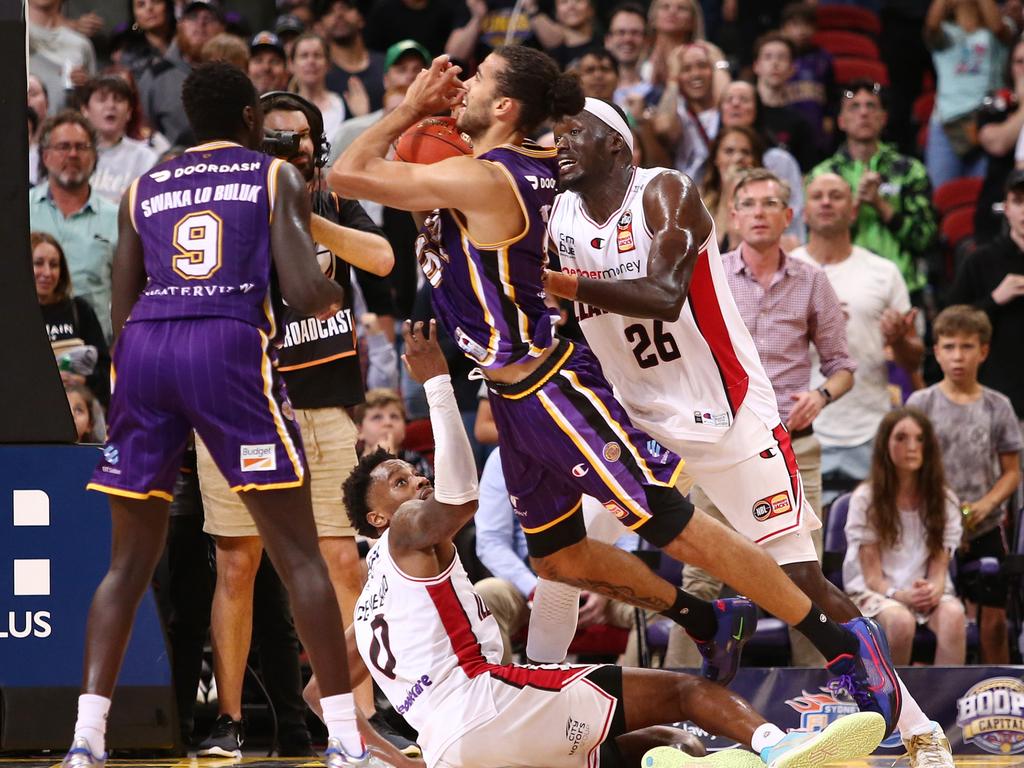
(734, 150)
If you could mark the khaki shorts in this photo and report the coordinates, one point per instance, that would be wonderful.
(871, 604)
(329, 437)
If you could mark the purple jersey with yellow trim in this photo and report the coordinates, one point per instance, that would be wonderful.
(489, 296)
(204, 222)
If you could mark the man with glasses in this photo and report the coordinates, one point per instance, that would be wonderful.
(65, 205)
(892, 191)
(627, 32)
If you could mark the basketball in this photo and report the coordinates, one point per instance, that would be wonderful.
(430, 141)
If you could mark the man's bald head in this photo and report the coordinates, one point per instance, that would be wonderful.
(830, 209)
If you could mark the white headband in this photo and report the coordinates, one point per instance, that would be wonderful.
(610, 117)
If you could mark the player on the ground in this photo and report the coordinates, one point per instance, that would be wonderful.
(201, 239)
(639, 256)
(562, 432)
(435, 651)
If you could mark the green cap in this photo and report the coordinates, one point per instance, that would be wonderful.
(402, 47)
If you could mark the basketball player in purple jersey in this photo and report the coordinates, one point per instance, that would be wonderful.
(201, 240)
(562, 432)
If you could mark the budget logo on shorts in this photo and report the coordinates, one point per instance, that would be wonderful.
(258, 458)
(991, 715)
(616, 510)
(612, 451)
(818, 710)
(772, 506)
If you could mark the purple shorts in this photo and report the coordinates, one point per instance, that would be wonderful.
(214, 375)
(563, 434)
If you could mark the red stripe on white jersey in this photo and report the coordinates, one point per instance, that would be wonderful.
(796, 487)
(471, 659)
(707, 313)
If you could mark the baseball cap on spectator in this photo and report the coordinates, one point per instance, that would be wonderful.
(288, 25)
(266, 40)
(401, 48)
(210, 5)
(1015, 180)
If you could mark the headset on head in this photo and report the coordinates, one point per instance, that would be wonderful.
(321, 146)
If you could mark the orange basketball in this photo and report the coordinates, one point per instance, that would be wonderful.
(431, 141)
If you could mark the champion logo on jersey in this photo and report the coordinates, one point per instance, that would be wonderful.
(258, 458)
(597, 242)
(580, 470)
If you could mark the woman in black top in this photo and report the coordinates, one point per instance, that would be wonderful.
(68, 319)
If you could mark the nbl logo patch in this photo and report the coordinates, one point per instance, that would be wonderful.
(258, 458)
(772, 506)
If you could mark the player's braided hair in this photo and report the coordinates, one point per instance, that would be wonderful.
(357, 486)
(214, 95)
(533, 79)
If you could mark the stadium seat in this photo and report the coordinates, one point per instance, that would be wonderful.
(850, 18)
(835, 540)
(957, 226)
(921, 111)
(955, 194)
(841, 43)
(419, 437)
(847, 69)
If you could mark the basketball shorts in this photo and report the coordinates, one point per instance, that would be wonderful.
(752, 476)
(570, 725)
(214, 375)
(329, 441)
(563, 434)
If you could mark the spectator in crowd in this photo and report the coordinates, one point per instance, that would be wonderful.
(902, 528)
(787, 304)
(60, 57)
(894, 208)
(1000, 124)
(107, 103)
(878, 318)
(733, 151)
(784, 126)
(355, 70)
(71, 324)
(268, 67)
(309, 64)
(687, 119)
(739, 108)
(811, 88)
(39, 103)
(138, 127)
(966, 39)
(980, 439)
(598, 71)
(381, 422)
(571, 32)
(150, 34)
(675, 23)
(82, 403)
(226, 47)
(161, 79)
(287, 27)
(66, 206)
(992, 279)
(625, 38)
(431, 23)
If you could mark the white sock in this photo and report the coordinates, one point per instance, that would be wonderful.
(556, 609)
(767, 735)
(913, 721)
(340, 719)
(92, 721)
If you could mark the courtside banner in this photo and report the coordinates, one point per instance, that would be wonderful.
(980, 708)
(54, 551)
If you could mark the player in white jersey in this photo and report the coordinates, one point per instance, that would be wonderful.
(657, 311)
(434, 649)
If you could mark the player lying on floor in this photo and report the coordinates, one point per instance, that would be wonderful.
(433, 647)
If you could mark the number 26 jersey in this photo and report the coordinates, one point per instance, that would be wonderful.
(679, 380)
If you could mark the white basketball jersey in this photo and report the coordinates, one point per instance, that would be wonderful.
(681, 380)
(430, 645)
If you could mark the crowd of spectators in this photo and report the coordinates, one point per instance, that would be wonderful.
(855, 195)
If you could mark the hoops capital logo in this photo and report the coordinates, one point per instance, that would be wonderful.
(992, 715)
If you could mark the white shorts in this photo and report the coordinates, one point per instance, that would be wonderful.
(751, 475)
(538, 728)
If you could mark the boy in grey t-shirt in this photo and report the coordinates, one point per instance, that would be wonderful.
(981, 443)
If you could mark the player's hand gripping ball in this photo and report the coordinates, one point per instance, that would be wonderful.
(431, 141)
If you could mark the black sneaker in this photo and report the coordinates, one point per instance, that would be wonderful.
(397, 740)
(225, 739)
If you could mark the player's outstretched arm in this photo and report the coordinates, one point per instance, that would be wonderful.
(680, 224)
(129, 268)
(303, 284)
(436, 519)
(364, 250)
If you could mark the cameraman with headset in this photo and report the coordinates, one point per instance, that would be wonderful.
(319, 360)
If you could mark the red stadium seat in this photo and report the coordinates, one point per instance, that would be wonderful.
(840, 43)
(957, 194)
(419, 437)
(923, 106)
(849, 69)
(848, 17)
(957, 226)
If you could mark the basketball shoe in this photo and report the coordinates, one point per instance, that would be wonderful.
(737, 622)
(929, 750)
(225, 739)
(81, 756)
(335, 756)
(670, 757)
(844, 739)
(869, 677)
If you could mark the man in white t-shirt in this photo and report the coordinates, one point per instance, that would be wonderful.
(875, 300)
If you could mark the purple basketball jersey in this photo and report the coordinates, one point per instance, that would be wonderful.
(204, 221)
(489, 296)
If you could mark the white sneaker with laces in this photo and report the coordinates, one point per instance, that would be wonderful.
(929, 750)
(80, 756)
